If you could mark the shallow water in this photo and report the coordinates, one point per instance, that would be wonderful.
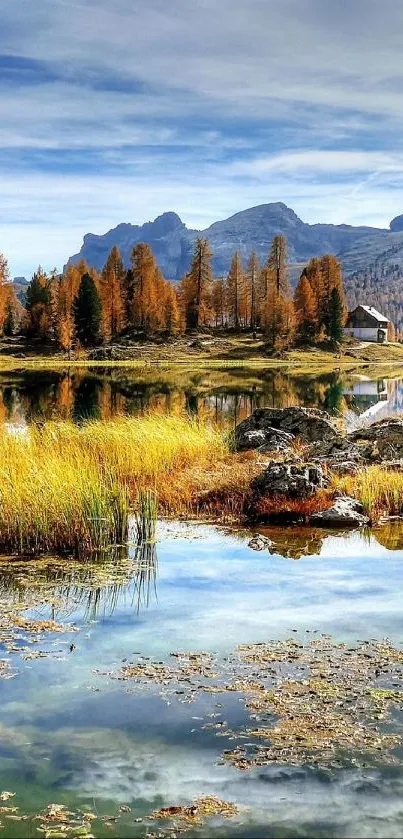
(227, 394)
(71, 735)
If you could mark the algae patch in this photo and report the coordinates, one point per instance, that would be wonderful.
(317, 703)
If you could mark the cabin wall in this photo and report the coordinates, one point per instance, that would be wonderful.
(362, 333)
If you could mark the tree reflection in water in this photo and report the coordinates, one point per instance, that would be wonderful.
(225, 395)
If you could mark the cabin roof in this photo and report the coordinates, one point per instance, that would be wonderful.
(373, 312)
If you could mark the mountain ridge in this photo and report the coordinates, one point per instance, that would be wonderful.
(250, 229)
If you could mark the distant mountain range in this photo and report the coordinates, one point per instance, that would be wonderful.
(252, 229)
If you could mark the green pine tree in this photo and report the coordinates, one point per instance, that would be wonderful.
(38, 292)
(88, 312)
(336, 316)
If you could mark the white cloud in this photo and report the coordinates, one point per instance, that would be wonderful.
(292, 100)
(316, 161)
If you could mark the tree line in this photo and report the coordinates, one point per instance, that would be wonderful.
(84, 307)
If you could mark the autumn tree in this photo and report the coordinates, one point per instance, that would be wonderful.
(313, 273)
(9, 304)
(4, 279)
(235, 290)
(277, 265)
(173, 321)
(306, 311)
(324, 274)
(67, 290)
(252, 282)
(218, 302)
(332, 278)
(113, 296)
(196, 286)
(143, 297)
(278, 317)
(87, 312)
(277, 309)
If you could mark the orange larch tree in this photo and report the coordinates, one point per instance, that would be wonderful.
(306, 310)
(112, 291)
(235, 291)
(196, 286)
(252, 285)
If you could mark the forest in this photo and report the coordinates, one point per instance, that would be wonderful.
(85, 308)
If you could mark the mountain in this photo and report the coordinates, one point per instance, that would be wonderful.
(250, 229)
(168, 236)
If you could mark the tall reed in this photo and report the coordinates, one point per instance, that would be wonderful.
(68, 488)
(380, 490)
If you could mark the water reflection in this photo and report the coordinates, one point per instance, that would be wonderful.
(92, 588)
(70, 734)
(61, 587)
(220, 394)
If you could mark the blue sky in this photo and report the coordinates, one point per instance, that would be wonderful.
(118, 110)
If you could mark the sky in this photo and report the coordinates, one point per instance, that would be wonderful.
(118, 110)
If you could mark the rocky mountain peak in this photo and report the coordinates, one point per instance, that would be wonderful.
(396, 225)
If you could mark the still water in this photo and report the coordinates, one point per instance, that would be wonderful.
(72, 734)
(225, 395)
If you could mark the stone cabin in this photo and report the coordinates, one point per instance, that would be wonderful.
(367, 324)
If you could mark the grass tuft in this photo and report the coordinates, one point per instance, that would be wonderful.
(380, 490)
(65, 488)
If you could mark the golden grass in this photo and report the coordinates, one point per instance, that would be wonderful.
(282, 508)
(68, 488)
(378, 489)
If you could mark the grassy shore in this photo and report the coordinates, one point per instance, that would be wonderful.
(68, 488)
(220, 350)
(380, 490)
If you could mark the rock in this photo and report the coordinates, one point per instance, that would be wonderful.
(260, 543)
(381, 441)
(345, 512)
(270, 439)
(290, 480)
(308, 424)
(342, 454)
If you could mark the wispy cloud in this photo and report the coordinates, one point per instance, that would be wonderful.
(116, 111)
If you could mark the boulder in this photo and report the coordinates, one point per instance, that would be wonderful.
(270, 439)
(290, 480)
(341, 455)
(307, 424)
(381, 441)
(344, 512)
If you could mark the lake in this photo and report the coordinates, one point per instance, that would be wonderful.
(225, 395)
(74, 734)
(136, 683)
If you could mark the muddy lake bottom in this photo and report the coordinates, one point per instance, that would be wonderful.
(75, 733)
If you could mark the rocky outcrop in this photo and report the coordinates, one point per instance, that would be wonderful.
(344, 512)
(289, 480)
(378, 443)
(276, 428)
(266, 440)
(381, 441)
